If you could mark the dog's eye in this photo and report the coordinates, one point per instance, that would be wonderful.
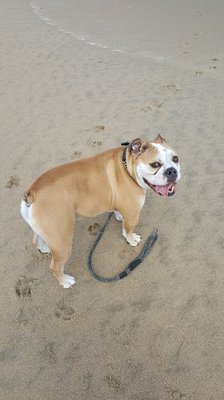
(155, 165)
(175, 159)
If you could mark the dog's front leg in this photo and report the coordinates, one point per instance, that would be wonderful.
(128, 227)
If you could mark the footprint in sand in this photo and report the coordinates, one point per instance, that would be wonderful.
(23, 287)
(94, 229)
(99, 128)
(76, 155)
(64, 311)
(171, 87)
(155, 104)
(97, 143)
(114, 382)
(146, 109)
(175, 394)
(13, 182)
(39, 257)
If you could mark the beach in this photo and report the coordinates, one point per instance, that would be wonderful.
(78, 78)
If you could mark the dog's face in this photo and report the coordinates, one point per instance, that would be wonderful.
(156, 165)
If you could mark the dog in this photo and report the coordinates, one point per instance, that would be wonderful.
(115, 180)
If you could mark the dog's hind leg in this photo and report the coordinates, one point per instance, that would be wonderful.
(59, 241)
(38, 241)
(53, 233)
(58, 261)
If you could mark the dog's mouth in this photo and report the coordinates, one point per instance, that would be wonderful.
(164, 190)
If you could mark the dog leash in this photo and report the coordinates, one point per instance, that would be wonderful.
(131, 265)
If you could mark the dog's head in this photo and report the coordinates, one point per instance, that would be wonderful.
(156, 165)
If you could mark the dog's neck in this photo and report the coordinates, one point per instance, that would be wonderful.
(124, 159)
(124, 162)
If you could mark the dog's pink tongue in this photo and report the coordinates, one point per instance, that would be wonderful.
(164, 190)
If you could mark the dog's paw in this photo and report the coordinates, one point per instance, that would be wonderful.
(43, 248)
(118, 216)
(133, 239)
(41, 245)
(67, 281)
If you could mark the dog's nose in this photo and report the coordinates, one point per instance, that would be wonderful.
(171, 174)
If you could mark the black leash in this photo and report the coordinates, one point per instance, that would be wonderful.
(132, 265)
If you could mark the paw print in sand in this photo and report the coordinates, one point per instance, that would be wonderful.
(13, 182)
(94, 229)
(23, 287)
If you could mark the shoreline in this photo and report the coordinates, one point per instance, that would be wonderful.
(144, 42)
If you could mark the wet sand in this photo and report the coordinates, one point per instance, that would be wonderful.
(158, 334)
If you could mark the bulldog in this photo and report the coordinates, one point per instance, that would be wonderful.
(115, 180)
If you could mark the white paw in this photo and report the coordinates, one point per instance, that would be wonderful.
(133, 239)
(67, 281)
(42, 245)
(44, 249)
(118, 216)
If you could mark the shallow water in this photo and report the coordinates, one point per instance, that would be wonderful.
(162, 30)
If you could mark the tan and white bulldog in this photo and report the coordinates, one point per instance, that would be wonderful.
(114, 180)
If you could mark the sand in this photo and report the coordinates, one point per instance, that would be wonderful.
(68, 91)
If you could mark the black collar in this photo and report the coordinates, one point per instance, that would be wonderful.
(124, 159)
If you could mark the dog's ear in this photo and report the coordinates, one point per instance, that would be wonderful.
(138, 146)
(159, 139)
